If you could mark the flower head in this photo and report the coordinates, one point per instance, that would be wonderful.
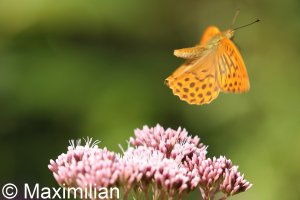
(211, 171)
(175, 144)
(143, 165)
(139, 164)
(169, 162)
(234, 182)
(172, 177)
(85, 165)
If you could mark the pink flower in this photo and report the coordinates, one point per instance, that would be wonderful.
(211, 171)
(139, 164)
(234, 182)
(171, 177)
(143, 165)
(87, 165)
(174, 144)
(167, 162)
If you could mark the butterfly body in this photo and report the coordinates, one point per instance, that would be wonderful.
(214, 41)
(213, 65)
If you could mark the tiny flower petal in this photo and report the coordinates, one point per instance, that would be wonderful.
(234, 182)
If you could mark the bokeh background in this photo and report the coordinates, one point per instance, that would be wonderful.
(71, 69)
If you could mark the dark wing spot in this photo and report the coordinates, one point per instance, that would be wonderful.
(187, 79)
(200, 95)
(179, 84)
(210, 85)
(192, 84)
(235, 83)
(192, 94)
(185, 89)
(208, 93)
(203, 86)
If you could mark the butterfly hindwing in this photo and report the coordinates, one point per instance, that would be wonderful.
(231, 71)
(198, 84)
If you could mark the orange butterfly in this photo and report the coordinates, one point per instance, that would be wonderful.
(212, 66)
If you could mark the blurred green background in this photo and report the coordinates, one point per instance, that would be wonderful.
(71, 69)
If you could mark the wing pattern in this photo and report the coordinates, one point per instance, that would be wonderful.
(231, 71)
(198, 84)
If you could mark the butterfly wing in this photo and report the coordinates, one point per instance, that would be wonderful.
(195, 81)
(231, 70)
(201, 49)
(208, 34)
(191, 53)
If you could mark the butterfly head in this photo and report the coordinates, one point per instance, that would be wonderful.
(229, 33)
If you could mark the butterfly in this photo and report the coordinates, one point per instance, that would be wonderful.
(214, 65)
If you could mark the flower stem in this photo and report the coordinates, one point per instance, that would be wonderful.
(125, 196)
(145, 190)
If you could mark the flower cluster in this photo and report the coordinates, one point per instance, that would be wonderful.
(86, 165)
(166, 164)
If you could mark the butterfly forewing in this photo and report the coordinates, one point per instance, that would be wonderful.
(208, 34)
(231, 71)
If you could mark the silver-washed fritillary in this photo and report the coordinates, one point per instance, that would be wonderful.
(214, 65)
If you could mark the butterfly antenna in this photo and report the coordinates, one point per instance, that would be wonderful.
(247, 24)
(237, 12)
